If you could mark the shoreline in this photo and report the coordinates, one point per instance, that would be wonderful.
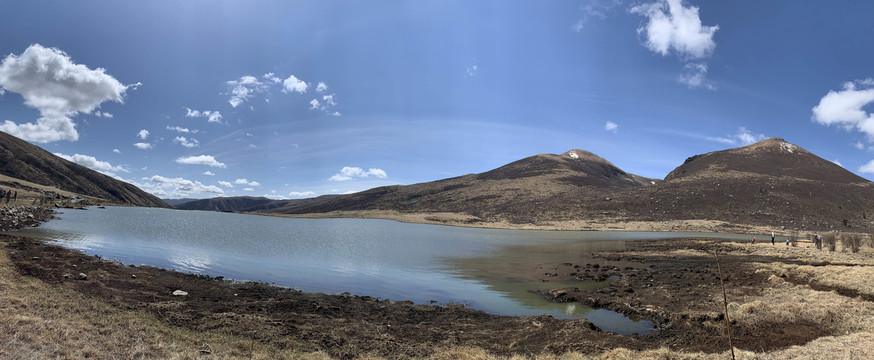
(469, 221)
(672, 282)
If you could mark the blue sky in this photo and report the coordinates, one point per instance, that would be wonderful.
(292, 99)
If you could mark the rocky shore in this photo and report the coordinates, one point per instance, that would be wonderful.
(21, 216)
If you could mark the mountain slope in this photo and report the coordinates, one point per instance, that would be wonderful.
(529, 190)
(771, 182)
(248, 204)
(22, 160)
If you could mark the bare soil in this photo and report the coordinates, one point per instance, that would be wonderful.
(673, 283)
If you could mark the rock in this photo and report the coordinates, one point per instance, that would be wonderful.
(67, 276)
(36, 258)
(133, 276)
(82, 276)
(180, 293)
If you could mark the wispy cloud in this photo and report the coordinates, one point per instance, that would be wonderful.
(186, 142)
(301, 194)
(611, 126)
(212, 116)
(595, 10)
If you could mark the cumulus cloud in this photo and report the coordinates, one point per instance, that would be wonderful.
(611, 126)
(143, 146)
(226, 184)
(327, 104)
(243, 89)
(93, 164)
(116, 151)
(212, 116)
(201, 160)
(743, 137)
(844, 108)
(321, 87)
(189, 143)
(49, 81)
(208, 173)
(867, 168)
(349, 173)
(178, 187)
(293, 84)
(301, 194)
(143, 134)
(182, 130)
(246, 182)
(672, 26)
(694, 75)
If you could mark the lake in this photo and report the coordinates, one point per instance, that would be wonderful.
(379, 258)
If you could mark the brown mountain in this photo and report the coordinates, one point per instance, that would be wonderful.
(534, 189)
(22, 160)
(249, 204)
(772, 183)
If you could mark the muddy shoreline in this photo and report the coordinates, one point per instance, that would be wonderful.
(673, 283)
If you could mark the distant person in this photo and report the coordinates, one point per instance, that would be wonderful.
(754, 240)
(772, 238)
(787, 241)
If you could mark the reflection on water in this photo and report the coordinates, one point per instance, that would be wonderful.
(492, 270)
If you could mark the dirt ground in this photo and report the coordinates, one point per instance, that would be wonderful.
(673, 283)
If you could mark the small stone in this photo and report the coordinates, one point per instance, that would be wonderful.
(67, 276)
(133, 276)
(180, 293)
(82, 276)
(36, 258)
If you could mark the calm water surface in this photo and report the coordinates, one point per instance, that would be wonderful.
(379, 258)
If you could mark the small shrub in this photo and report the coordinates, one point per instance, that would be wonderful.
(852, 242)
(830, 241)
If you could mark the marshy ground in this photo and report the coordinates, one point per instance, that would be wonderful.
(784, 302)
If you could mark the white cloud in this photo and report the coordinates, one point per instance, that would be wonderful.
(143, 146)
(226, 184)
(844, 108)
(244, 89)
(743, 137)
(49, 81)
(182, 130)
(103, 114)
(837, 162)
(329, 100)
(248, 189)
(694, 75)
(178, 187)
(314, 105)
(189, 143)
(859, 145)
(143, 134)
(201, 160)
(327, 104)
(212, 116)
(867, 168)
(336, 113)
(246, 182)
(471, 71)
(674, 27)
(294, 84)
(611, 126)
(92, 163)
(301, 194)
(349, 173)
(208, 173)
(321, 87)
(271, 77)
(116, 151)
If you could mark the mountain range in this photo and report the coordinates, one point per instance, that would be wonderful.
(769, 183)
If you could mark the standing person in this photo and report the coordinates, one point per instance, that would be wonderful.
(772, 238)
(754, 240)
(787, 241)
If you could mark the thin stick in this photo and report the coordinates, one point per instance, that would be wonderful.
(724, 303)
